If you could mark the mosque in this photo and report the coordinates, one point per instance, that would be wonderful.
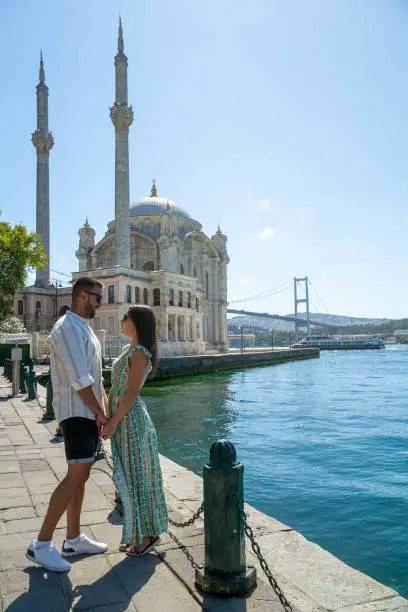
(153, 252)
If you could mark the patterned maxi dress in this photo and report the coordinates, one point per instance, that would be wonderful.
(136, 465)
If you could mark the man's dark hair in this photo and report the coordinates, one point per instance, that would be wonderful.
(84, 284)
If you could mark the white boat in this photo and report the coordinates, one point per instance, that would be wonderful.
(341, 342)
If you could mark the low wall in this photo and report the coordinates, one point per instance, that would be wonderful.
(191, 365)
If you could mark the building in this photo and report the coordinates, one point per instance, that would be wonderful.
(153, 252)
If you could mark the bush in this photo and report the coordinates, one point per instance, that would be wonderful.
(11, 325)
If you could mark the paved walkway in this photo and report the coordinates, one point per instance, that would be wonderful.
(31, 463)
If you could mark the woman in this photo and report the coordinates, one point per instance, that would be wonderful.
(136, 466)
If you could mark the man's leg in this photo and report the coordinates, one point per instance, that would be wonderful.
(77, 475)
(74, 513)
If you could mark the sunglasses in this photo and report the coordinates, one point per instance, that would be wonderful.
(98, 296)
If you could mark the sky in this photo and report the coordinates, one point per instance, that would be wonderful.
(283, 121)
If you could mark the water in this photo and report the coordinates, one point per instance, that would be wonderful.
(324, 443)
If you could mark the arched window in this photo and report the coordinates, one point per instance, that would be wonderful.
(128, 294)
(149, 266)
(156, 297)
(145, 297)
(171, 297)
(180, 299)
(137, 295)
(111, 294)
(197, 305)
(20, 307)
(189, 299)
(195, 272)
(206, 285)
(181, 269)
(38, 306)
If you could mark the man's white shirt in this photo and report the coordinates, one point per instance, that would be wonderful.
(76, 363)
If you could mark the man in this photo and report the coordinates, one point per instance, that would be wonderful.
(79, 397)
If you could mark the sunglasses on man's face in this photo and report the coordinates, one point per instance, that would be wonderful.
(98, 296)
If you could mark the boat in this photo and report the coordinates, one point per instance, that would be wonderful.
(341, 342)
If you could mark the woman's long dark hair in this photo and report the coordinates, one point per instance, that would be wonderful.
(143, 319)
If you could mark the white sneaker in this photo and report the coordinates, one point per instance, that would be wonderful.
(84, 546)
(48, 557)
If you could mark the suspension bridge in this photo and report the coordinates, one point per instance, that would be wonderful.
(301, 319)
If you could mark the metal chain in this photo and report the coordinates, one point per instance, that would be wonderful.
(190, 521)
(185, 550)
(255, 547)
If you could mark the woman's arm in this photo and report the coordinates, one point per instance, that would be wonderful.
(136, 374)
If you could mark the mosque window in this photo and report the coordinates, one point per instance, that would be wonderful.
(111, 294)
(156, 297)
(189, 299)
(206, 285)
(197, 305)
(137, 295)
(145, 297)
(128, 294)
(171, 297)
(195, 272)
(20, 307)
(181, 269)
(38, 306)
(149, 266)
(180, 299)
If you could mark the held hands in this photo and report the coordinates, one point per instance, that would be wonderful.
(109, 429)
(101, 420)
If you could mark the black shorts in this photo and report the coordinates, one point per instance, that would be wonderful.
(80, 439)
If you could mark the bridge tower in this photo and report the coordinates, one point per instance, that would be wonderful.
(301, 287)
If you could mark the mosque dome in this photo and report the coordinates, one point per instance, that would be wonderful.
(155, 205)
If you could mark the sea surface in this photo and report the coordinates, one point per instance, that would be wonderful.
(324, 443)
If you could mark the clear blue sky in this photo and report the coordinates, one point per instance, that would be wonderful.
(286, 122)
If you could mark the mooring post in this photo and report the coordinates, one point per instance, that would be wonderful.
(225, 571)
(49, 411)
(32, 382)
(23, 378)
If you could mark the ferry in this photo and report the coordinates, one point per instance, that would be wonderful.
(341, 342)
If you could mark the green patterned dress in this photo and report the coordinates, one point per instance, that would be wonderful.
(136, 465)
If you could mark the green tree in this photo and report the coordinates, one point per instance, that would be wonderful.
(20, 251)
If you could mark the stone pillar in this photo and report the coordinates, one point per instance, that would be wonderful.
(176, 332)
(165, 327)
(43, 142)
(215, 338)
(122, 118)
(101, 335)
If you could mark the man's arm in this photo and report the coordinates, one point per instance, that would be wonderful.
(69, 350)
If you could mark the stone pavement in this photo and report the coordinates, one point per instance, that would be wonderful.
(32, 462)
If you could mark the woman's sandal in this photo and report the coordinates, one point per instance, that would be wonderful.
(133, 552)
(123, 547)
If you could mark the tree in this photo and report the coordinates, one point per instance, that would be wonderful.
(20, 251)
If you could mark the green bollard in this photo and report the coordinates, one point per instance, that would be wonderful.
(225, 572)
(23, 377)
(49, 411)
(32, 383)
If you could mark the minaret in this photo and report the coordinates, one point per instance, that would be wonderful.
(43, 141)
(122, 118)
